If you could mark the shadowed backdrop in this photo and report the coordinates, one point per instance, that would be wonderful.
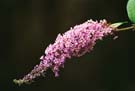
(29, 26)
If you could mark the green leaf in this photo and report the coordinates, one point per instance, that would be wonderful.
(131, 10)
(115, 25)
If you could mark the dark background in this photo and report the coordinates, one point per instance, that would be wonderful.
(28, 26)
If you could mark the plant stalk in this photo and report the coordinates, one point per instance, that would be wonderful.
(126, 28)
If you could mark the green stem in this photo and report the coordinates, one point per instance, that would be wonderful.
(126, 28)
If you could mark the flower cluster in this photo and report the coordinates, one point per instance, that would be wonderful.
(73, 43)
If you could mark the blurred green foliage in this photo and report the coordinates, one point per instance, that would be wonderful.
(131, 10)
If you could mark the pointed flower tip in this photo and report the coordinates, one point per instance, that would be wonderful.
(19, 82)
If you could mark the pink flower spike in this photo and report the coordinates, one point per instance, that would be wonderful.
(73, 43)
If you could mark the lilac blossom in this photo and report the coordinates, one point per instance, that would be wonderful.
(73, 43)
